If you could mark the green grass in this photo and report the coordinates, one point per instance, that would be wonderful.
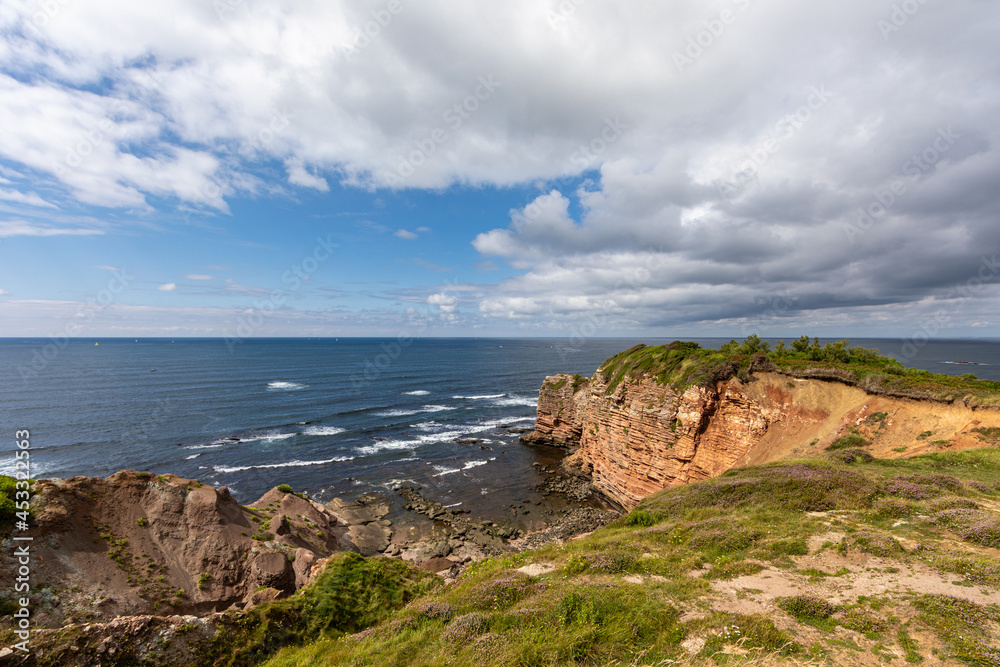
(679, 544)
(350, 595)
(683, 364)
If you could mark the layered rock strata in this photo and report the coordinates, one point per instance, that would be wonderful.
(642, 436)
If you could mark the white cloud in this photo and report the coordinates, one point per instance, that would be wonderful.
(446, 302)
(736, 172)
(198, 276)
(21, 228)
(30, 198)
(404, 234)
(167, 287)
(298, 175)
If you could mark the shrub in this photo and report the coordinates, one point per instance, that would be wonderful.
(285, 488)
(865, 622)
(461, 630)
(640, 517)
(806, 607)
(436, 611)
(612, 562)
(903, 489)
(849, 441)
(503, 591)
(878, 544)
(892, 508)
(973, 526)
(852, 455)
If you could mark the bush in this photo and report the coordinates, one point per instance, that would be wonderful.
(849, 441)
(806, 607)
(285, 488)
(877, 544)
(640, 518)
(499, 593)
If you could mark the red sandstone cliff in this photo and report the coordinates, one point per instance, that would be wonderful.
(643, 437)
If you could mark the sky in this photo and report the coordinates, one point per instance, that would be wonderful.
(571, 168)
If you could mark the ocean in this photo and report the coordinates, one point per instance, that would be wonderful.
(332, 417)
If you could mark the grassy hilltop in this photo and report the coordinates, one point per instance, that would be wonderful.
(832, 561)
(682, 364)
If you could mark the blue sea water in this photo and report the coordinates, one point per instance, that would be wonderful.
(333, 417)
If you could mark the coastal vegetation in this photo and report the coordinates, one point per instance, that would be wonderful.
(893, 559)
(683, 364)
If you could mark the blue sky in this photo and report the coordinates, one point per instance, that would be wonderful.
(528, 168)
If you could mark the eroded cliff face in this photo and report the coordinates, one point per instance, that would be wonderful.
(643, 437)
(135, 543)
(562, 402)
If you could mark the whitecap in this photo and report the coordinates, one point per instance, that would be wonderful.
(411, 412)
(448, 471)
(418, 392)
(481, 397)
(278, 385)
(287, 464)
(452, 505)
(323, 430)
(193, 456)
(386, 445)
(397, 413)
(516, 400)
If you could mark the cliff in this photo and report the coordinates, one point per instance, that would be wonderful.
(652, 418)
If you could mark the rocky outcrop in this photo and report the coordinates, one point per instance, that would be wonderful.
(639, 436)
(136, 543)
(643, 437)
(562, 402)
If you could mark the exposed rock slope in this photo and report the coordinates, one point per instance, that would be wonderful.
(637, 435)
(136, 543)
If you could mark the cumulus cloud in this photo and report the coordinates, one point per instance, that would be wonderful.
(404, 234)
(446, 302)
(167, 287)
(833, 158)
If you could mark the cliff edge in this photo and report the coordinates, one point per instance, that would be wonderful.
(652, 418)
